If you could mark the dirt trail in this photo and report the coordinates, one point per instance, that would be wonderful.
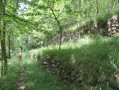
(20, 79)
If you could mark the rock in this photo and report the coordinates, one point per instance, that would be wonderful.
(113, 25)
(65, 70)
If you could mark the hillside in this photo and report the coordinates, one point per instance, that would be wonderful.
(59, 44)
(89, 62)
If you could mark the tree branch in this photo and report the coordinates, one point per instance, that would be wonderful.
(59, 27)
(60, 14)
(21, 19)
(42, 19)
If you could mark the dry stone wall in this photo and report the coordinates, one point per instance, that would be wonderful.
(113, 25)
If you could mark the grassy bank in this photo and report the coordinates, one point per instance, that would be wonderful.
(35, 77)
(92, 60)
(96, 58)
(38, 79)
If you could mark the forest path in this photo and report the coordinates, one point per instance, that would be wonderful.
(31, 76)
(20, 79)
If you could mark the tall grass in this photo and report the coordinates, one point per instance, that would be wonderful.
(37, 79)
(8, 82)
(97, 57)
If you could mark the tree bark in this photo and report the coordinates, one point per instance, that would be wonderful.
(3, 47)
(3, 33)
(9, 46)
(2, 61)
(80, 8)
(60, 43)
(95, 21)
(2, 72)
(97, 7)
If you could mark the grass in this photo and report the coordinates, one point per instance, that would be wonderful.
(8, 82)
(35, 77)
(97, 57)
(93, 48)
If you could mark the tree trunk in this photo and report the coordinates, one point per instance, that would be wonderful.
(3, 33)
(3, 50)
(80, 14)
(3, 45)
(2, 62)
(97, 7)
(60, 43)
(9, 46)
(95, 21)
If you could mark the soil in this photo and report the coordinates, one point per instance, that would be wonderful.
(20, 79)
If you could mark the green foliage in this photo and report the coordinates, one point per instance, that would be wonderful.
(97, 57)
(37, 79)
(35, 26)
(8, 82)
(37, 16)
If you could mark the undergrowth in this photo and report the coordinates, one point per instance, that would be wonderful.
(35, 77)
(96, 56)
(8, 82)
(38, 79)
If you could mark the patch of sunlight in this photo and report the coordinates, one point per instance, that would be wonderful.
(74, 27)
(29, 72)
(30, 84)
(72, 45)
(29, 0)
(40, 2)
(85, 40)
(13, 61)
(28, 62)
(25, 17)
(72, 59)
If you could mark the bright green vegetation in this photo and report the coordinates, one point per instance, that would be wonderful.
(38, 79)
(96, 57)
(8, 82)
(35, 77)
(43, 80)
(91, 54)
(76, 34)
(95, 48)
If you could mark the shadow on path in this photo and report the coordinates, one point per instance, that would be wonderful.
(20, 79)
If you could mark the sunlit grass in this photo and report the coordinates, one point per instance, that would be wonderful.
(95, 53)
(37, 79)
(91, 54)
(8, 82)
